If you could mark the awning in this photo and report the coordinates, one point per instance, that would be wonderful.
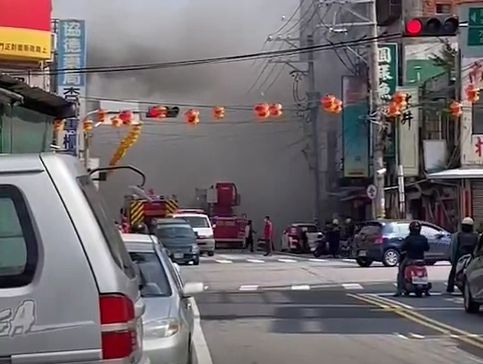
(457, 173)
(34, 98)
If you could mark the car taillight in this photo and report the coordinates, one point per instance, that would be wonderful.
(118, 326)
(379, 240)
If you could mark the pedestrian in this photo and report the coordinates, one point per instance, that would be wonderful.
(249, 232)
(333, 237)
(267, 235)
(463, 242)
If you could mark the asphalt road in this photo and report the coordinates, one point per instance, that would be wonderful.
(311, 322)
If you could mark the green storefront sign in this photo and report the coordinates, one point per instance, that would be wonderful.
(475, 27)
(388, 80)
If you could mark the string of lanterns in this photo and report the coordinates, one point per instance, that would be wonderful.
(331, 104)
(127, 143)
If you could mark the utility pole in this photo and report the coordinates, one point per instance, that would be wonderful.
(377, 126)
(313, 104)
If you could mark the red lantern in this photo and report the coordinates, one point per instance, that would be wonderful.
(472, 93)
(88, 126)
(276, 110)
(336, 107)
(456, 109)
(192, 116)
(218, 112)
(157, 112)
(262, 111)
(101, 116)
(126, 117)
(328, 102)
(59, 125)
(394, 110)
(401, 99)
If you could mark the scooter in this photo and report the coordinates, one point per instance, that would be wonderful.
(416, 279)
(461, 266)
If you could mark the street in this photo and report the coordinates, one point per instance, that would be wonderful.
(282, 309)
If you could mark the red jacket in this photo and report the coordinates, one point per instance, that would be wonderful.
(268, 230)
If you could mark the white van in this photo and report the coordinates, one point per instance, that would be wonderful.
(201, 225)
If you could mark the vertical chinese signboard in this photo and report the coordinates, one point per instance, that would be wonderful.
(388, 80)
(355, 127)
(71, 57)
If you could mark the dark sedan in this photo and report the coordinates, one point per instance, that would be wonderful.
(381, 240)
(180, 241)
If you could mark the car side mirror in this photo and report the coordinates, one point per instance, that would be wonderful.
(191, 289)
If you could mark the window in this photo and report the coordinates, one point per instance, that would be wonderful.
(174, 231)
(444, 9)
(18, 245)
(403, 229)
(154, 281)
(429, 231)
(197, 221)
(174, 274)
(107, 226)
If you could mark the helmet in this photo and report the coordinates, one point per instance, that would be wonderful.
(138, 228)
(467, 221)
(335, 222)
(415, 227)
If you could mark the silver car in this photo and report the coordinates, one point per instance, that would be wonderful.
(169, 319)
(68, 290)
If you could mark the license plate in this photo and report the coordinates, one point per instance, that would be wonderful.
(362, 253)
(420, 280)
(178, 255)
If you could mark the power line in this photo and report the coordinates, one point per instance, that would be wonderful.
(222, 59)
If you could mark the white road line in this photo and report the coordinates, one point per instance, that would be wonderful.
(401, 336)
(318, 260)
(302, 287)
(352, 286)
(287, 260)
(201, 349)
(248, 287)
(255, 261)
(416, 336)
(349, 260)
(391, 301)
(223, 261)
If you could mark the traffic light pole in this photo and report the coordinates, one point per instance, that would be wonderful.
(375, 117)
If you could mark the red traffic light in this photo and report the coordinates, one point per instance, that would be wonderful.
(414, 27)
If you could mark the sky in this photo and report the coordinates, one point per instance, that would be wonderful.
(267, 161)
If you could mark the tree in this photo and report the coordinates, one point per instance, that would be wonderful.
(446, 58)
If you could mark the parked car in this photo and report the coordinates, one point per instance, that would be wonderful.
(381, 240)
(69, 291)
(169, 319)
(203, 229)
(180, 241)
(292, 237)
(164, 221)
(473, 289)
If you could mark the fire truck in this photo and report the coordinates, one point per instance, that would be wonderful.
(220, 201)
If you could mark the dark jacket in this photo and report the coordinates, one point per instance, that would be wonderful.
(463, 243)
(414, 246)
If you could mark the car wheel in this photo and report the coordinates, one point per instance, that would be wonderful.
(364, 262)
(196, 261)
(211, 253)
(470, 305)
(390, 258)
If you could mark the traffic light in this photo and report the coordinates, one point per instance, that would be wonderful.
(432, 26)
(161, 112)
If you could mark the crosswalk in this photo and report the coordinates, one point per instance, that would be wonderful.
(276, 258)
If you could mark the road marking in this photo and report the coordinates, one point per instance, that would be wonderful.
(248, 287)
(348, 260)
(416, 336)
(287, 260)
(255, 261)
(302, 287)
(422, 320)
(223, 261)
(318, 260)
(352, 286)
(394, 302)
(201, 348)
(401, 336)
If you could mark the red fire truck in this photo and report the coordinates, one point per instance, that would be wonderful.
(229, 228)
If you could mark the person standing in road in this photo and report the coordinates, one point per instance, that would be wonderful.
(267, 235)
(463, 242)
(249, 235)
(333, 237)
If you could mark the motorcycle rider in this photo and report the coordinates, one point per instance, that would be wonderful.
(463, 242)
(412, 248)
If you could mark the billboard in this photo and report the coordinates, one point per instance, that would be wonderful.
(408, 134)
(25, 30)
(355, 127)
(71, 85)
